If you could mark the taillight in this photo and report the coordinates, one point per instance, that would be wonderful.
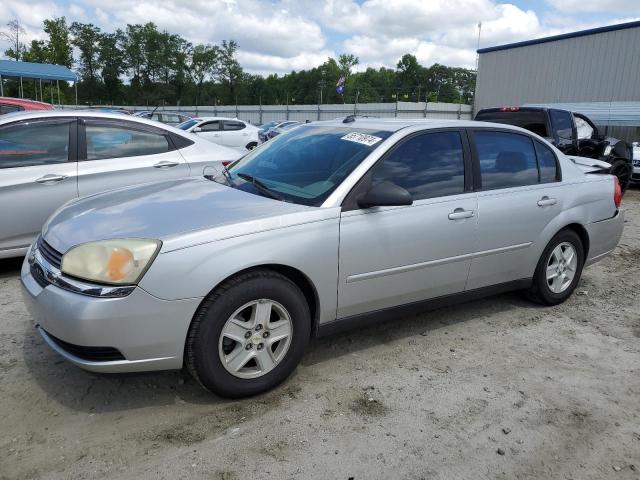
(510, 109)
(617, 192)
(226, 163)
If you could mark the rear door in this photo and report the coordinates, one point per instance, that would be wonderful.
(38, 173)
(234, 133)
(118, 153)
(518, 196)
(391, 256)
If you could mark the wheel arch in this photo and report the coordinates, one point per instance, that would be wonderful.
(582, 233)
(301, 280)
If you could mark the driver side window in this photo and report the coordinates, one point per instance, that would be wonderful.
(427, 166)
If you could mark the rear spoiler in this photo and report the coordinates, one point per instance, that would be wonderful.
(590, 165)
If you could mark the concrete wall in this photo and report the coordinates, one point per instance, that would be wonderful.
(257, 114)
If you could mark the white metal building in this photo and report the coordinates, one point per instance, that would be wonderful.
(599, 67)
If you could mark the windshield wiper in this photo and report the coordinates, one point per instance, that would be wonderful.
(260, 186)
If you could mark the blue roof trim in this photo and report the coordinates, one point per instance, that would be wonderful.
(564, 36)
(45, 71)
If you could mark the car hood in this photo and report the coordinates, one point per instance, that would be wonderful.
(160, 211)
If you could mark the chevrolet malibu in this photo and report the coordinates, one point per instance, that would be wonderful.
(325, 227)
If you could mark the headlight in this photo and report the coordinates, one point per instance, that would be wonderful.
(607, 150)
(111, 261)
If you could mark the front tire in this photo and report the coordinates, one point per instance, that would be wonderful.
(559, 269)
(248, 335)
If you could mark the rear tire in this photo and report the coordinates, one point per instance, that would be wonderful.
(621, 169)
(251, 145)
(558, 272)
(248, 335)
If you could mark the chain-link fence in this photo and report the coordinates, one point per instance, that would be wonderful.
(259, 114)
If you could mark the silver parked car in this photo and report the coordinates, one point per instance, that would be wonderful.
(320, 229)
(48, 158)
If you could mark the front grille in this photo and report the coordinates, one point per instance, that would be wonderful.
(38, 275)
(92, 354)
(49, 253)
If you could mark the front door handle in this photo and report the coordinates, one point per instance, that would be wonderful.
(546, 201)
(460, 213)
(165, 164)
(51, 178)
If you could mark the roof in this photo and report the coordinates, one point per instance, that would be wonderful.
(395, 124)
(45, 71)
(564, 36)
(85, 113)
(26, 104)
(622, 114)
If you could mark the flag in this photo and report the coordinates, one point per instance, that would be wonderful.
(340, 84)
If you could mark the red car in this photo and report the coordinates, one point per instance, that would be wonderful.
(8, 105)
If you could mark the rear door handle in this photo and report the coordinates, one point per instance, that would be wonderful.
(460, 213)
(51, 178)
(165, 165)
(546, 201)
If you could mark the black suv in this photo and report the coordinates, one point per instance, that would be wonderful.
(571, 132)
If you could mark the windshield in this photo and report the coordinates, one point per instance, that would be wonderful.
(268, 125)
(304, 165)
(188, 124)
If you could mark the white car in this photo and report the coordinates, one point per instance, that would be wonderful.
(230, 132)
(635, 158)
(48, 158)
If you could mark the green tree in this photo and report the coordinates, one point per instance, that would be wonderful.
(86, 37)
(37, 52)
(228, 70)
(202, 63)
(59, 44)
(111, 57)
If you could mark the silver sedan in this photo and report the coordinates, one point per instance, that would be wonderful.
(328, 226)
(48, 158)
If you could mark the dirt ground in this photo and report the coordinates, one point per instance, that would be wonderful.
(494, 389)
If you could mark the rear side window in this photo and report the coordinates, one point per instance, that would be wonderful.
(230, 125)
(9, 108)
(26, 144)
(427, 166)
(506, 159)
(210, 126)
(546, 163)
(114, 141)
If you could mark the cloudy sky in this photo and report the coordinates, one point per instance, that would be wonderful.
(284, 35)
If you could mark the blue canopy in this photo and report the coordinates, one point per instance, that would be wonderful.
(45, 71)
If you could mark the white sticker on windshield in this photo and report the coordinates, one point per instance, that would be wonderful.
(362, 138)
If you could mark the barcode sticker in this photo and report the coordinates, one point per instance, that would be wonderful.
(362, 138)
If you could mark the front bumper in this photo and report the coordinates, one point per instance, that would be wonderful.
(635, 175)
(604, 237)
(147, 331)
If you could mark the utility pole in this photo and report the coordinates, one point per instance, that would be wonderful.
(478, 46)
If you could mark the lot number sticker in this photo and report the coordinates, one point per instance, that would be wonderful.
(362, 138)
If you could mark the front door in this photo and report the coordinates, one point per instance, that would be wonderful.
(211, 131)
(38, 173)
(391, 256)
(121, 153)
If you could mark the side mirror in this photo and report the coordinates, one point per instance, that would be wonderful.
(196, 130)
(385, 194)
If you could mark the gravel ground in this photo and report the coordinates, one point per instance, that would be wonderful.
(492, 389)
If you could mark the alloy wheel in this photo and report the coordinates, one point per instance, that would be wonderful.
(255, 338)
